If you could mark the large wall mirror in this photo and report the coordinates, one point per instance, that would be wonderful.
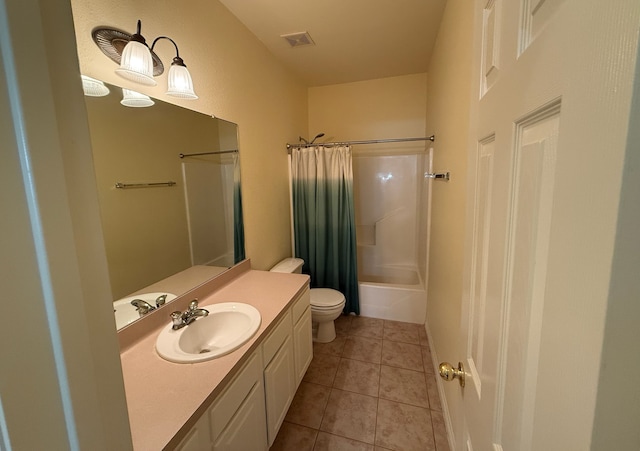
(169, 190)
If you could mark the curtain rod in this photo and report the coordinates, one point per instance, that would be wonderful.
(182, 155)
(370, 141)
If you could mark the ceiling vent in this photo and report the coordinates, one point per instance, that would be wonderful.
(298, 39)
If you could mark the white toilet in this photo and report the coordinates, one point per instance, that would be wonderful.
(326, 303)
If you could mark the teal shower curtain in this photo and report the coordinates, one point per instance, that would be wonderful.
(238, 222)
(324, 219)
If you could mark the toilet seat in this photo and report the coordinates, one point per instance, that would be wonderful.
(326, 298)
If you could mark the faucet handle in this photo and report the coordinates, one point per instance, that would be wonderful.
(160, 300)
(193, 305)
(176, 320)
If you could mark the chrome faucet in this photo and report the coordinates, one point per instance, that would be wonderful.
(143, 307)
(181, 319)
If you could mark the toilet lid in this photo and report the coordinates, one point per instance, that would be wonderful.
(326, 298)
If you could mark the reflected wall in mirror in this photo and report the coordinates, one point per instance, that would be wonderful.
(153, 232)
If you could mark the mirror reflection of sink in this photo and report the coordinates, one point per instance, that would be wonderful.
(227, 327)
(126, 313)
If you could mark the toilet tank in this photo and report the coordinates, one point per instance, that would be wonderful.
(289, 265)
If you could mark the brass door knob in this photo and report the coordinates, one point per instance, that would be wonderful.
(449, 373)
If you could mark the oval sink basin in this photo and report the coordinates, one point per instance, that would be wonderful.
(228, 326)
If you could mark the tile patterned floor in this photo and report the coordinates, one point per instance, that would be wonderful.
(372, 388)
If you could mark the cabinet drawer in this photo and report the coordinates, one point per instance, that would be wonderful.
(299, 306)
(231, 399)
(275, 339)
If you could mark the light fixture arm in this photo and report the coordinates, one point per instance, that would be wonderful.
(137, 36)
(176, 60)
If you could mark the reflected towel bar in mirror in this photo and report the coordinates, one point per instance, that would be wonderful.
(143, 185)
(215, 152)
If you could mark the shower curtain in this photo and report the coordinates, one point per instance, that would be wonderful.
(324, 219)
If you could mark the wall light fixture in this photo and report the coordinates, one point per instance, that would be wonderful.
(140, 64)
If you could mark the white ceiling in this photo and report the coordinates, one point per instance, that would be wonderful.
(354, 39)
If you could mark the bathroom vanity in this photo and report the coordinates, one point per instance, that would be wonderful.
(236, 401)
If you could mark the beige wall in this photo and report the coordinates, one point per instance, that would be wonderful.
(236, 79)
(448, 103)
(374, 109)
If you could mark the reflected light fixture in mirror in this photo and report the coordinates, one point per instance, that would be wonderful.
(93, 87)
(135, 99)
(140, 64)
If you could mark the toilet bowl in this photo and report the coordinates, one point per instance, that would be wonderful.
(326, 303)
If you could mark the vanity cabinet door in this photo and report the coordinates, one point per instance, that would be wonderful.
(303, 344)
(280, 387)
(198, 438)
(246, 430)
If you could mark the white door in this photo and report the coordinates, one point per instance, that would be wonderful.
(548, 131)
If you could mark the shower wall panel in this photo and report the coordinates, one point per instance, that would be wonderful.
(387, 193)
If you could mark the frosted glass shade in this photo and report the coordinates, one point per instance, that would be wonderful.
(179, 83)
(135, 99)
(93, 87)
(136, 64)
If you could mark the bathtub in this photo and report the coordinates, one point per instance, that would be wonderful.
(393, 293)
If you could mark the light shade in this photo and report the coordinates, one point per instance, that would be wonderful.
(93, 87)
(135, 99)
(136, 64)
(179, 82)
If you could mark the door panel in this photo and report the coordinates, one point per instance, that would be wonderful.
(480, 247)
(535, 161)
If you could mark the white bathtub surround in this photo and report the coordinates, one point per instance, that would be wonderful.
(392, 215)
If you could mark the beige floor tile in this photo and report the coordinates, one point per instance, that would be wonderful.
(358, 377)
(439, 431)
(362, 348)
(308, 405)
(424, 341)
(432, 391)
(322, 369)
(401, 326)
(334, 347)
(404, 427)
(330, 442)
(427, 360)
(293, 437)
(402, 355)
(367, 327)
(404, 336)
(350, 415)
(343, 324)
(406, 386)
